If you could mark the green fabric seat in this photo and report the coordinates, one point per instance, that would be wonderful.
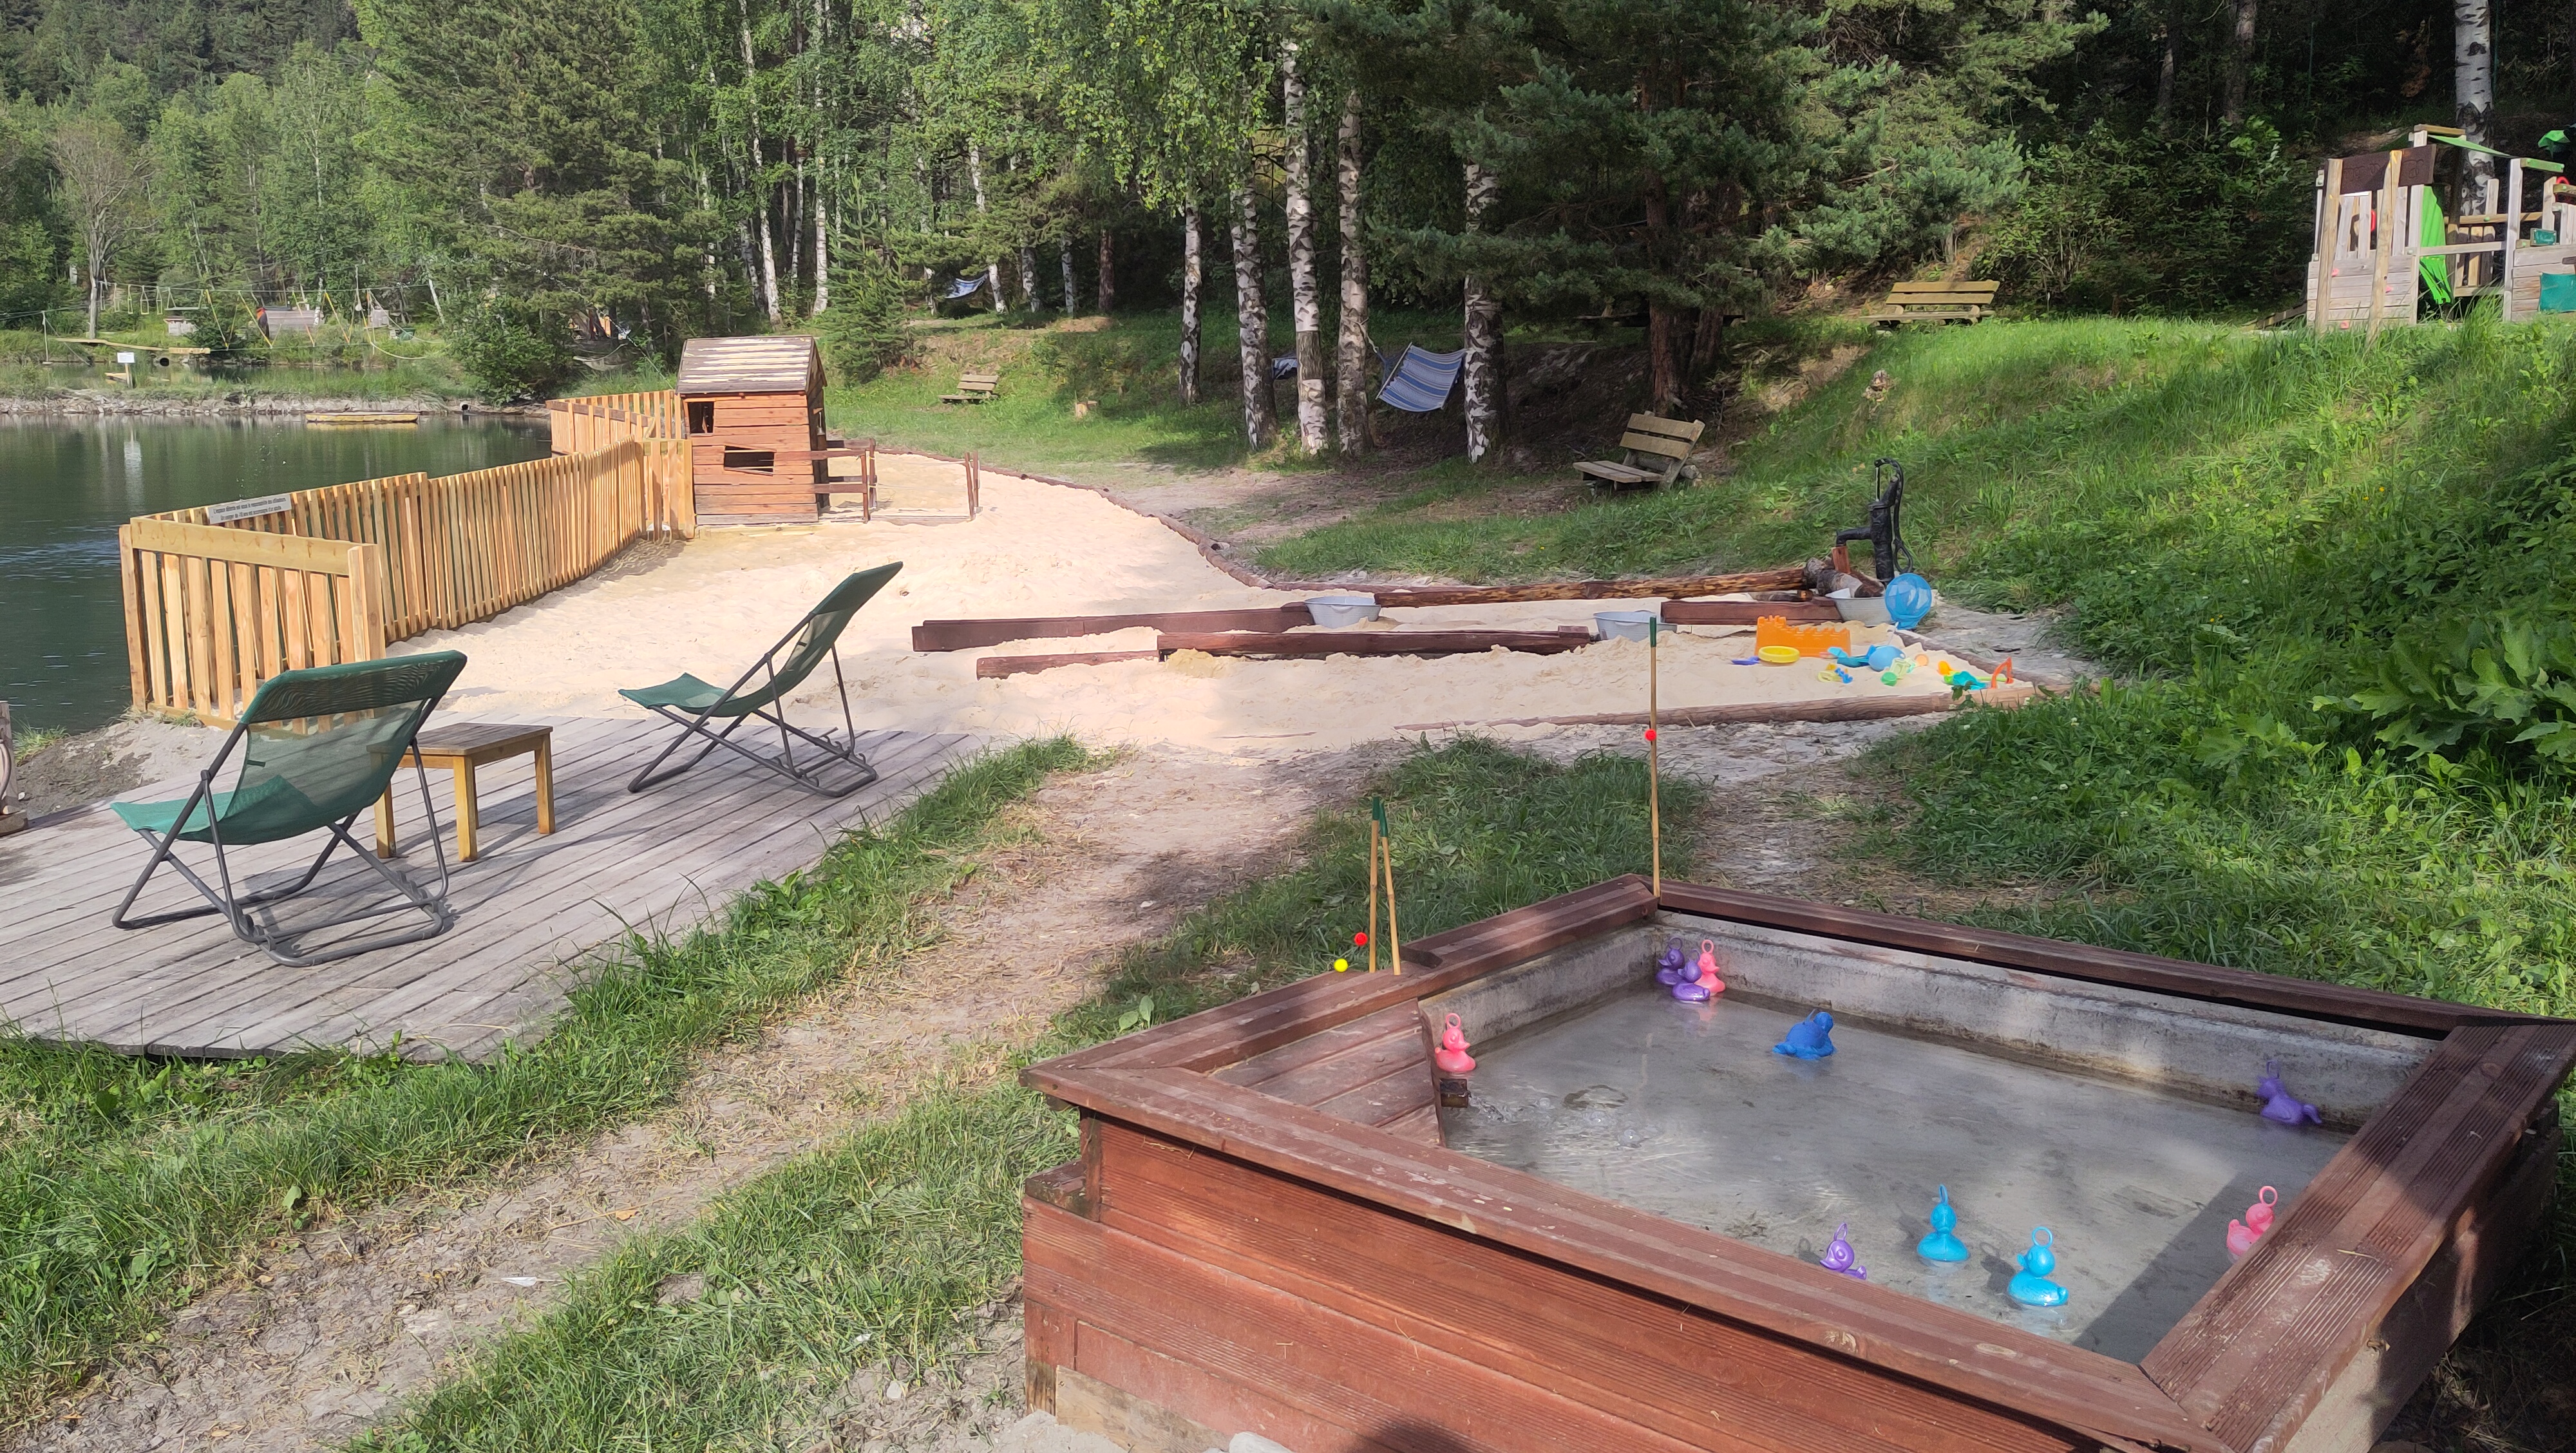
(760, 694)
(683, 691)
(312, 750)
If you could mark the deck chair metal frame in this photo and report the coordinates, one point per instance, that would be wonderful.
(1655, 450)
(690, 704)
(417, 683)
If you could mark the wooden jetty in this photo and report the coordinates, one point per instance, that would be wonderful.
(360, 417)
(529, 909)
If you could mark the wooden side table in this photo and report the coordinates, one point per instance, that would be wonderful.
(462, 748)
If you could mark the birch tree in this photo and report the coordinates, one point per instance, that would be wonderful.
(2473, 87)
(1193, 275)
(1252, 318)
(1481, 372)
(1305, 300)
(102, 176)
(1351, 383)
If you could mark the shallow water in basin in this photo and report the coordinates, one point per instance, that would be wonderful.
(1684, 1111)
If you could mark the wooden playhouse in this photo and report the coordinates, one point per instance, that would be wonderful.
(2500, 236)
(754, 408)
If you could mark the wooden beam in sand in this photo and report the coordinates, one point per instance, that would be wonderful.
(1835, 708)
(965, 635)
(1745, 612)
(1377, 643)
(992, 667)
(1789, 577)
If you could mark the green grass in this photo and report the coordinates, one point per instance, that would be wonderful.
(1130, 369)
(869, 1250)
(127, 1184)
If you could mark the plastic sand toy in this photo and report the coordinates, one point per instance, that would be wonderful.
(1840, 1257)
(1810, 1038)
(1452, 1056)
(2279, 1104)
(1942, 1244)
(2030, 1286)
(1809, 638)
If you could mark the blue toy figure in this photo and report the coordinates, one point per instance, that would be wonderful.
(2030, 1286)
(1810, 1038)
(1941, 1245)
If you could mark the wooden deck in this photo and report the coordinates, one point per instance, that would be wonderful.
(529, 906)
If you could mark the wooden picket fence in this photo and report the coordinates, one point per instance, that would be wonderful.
(211, 612)
(335, 575)
(581, 425)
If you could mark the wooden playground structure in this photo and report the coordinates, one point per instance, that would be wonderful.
(2386, 246)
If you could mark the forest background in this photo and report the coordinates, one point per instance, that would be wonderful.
(525, 174)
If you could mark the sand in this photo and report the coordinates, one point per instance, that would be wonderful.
(711, 606)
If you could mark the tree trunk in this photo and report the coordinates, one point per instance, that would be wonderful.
(92, 330)
(1352, 384)
(2165, 72)
(1108, 276)
(1029, 278)
(1306, 303)
(1482, 371)
(993, 268)
(1252, 319)
(2473, 89)
(791, 216)
(1193, 273)
(768, 278)
(822, 209)
(1072, 298)
(2240, 62)
(1663, 367)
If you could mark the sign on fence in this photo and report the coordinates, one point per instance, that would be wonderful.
(245, 509)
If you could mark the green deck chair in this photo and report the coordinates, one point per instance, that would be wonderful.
(691, 704)
(317, 747)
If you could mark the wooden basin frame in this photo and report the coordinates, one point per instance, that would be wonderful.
(1264, 1233)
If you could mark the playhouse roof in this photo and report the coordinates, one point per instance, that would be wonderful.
(767, 365)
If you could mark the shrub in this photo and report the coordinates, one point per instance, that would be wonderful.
(512, 349)
(862, 333)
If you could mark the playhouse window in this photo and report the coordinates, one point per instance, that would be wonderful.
(756, 461)
(702, 416)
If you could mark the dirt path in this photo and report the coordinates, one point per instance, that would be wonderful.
(312, 1344)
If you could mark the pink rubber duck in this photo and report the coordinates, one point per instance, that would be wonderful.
(2241, 1235)
(1707, 967)
(1452, 1056)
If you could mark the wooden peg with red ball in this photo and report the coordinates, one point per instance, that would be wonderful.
(1650, 734)
(1359, 940)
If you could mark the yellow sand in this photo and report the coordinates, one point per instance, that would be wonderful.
(1044, 550)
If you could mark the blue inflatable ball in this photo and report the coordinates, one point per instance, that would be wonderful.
(1909, 600)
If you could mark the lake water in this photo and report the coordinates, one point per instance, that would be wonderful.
(67, 483)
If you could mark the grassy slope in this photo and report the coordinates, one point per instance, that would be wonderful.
(868, 1249)
(127, 1184)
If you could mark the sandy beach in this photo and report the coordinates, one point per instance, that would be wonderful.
(711, 606)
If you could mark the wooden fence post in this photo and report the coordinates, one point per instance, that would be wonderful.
(366, 641)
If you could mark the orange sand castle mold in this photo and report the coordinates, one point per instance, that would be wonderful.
(1806, 638)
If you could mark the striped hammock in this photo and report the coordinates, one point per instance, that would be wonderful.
(1420, 381)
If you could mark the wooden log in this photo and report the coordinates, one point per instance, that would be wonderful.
(1745, 612)
(992, 667)
(1829, 708)
(1788, 577)
(962, 635)
(1376, 643)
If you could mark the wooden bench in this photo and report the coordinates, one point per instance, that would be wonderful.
(973, 388)
(1936, 303)
(1656, 449)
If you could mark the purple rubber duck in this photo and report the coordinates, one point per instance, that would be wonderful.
(1670, 963)
(2279, 1104)
(1839, 1255)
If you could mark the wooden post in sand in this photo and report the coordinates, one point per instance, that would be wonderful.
(1371, 935)
(1654, 774)
(1394, 936)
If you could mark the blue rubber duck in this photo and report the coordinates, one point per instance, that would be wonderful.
(1941, 1245)
(2030, 1286)
(1810, 1038)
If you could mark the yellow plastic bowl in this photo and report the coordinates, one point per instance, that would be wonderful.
(1779, 655)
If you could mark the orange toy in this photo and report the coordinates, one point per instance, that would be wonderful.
(1807, 639)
